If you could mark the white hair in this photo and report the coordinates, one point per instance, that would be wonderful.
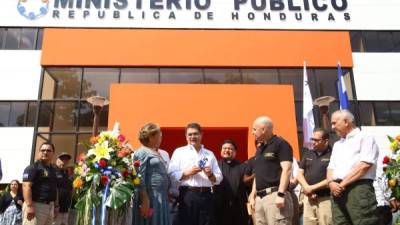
(345, 114)
(265, 120)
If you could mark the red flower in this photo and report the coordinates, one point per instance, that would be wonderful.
(386, 160)
(125, 173)
(121, 138)
(104, 180)
(136, 163)
(102, 163)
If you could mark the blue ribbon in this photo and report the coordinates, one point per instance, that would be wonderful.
(103, 203)
(94, 215)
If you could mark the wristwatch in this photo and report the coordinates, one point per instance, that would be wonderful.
(281, 194)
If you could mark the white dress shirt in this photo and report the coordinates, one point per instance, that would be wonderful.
(382, 191)
(186, 157)
(347, 152)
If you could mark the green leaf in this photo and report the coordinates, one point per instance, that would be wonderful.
(120, 193)
(390, 138)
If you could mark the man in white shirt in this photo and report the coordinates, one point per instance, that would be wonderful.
(351, 172)
(196, 170)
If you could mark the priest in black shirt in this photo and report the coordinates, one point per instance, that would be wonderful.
(231, 192)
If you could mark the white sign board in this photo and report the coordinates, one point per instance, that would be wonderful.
(204, 14)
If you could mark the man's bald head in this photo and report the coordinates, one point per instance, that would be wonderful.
(262, 128)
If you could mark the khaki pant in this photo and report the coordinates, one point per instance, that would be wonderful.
(317, 211)
(61, 219)
(268, 214)
(44, 214)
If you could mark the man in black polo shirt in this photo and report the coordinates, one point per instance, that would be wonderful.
(272, 165)
(64, 185)
(40, 188)
(312, 177)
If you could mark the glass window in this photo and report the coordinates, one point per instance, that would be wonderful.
(326, 82)
(2, 35)
(31, 118)
(260, 76)
(28, 37)
(379, 41)
(367, 116)
(139, 75)
(299, 115)
(382, 113)
(83, 142)
(5, 108)
(39, 40)
(295, 78)
(396, 41)
(86, 117)
(61, 83)
(222, 76)
(395, 113)
(57, 116)
(357, 43)
(12, 38)
(18, 114)
(64, 143)
(181, 75)
(97, 81)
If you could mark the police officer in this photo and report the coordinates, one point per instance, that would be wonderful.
(40, 188)
(273, 163)
(312, 177)
(64, 185)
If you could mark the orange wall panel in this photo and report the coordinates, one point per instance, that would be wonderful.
(218, 106)
(194, 48)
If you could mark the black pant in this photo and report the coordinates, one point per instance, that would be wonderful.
(196, 208)
(385, 215)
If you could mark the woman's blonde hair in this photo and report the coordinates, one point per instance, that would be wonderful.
(147, 131)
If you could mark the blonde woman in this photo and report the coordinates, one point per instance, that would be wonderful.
(152, 207)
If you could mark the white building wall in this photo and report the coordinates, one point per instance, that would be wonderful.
(19, 74)
(377, 76)
(15, 151)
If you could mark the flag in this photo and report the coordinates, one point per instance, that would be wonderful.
(308, 116)
(343, 99)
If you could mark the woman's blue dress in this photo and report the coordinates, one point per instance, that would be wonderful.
(155, 181)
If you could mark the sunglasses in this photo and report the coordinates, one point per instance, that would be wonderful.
(46, 150)
(315, 139)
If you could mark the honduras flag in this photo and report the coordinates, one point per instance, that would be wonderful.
(343, 99)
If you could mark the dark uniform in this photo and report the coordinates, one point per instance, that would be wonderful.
(64, 185)
(267, 162)
(231, 194)
(44, 182)
(314, 165)
(267, 166)
(317, 208)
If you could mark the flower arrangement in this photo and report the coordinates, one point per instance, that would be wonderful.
(105, 178)
(392, 167)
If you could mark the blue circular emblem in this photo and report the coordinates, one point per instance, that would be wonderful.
(33, 9)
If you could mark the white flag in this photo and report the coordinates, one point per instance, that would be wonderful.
(308, 116)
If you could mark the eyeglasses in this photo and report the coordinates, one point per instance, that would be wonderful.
(46, 150)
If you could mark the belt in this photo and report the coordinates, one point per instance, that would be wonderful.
(361, 181)
(44, 202)
(197, 189)
(266, 191)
